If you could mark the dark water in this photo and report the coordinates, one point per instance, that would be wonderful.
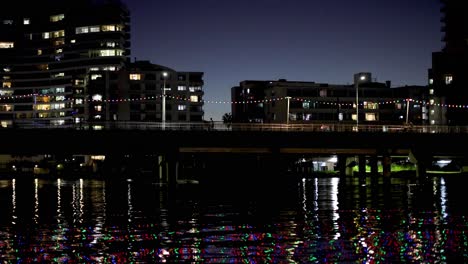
(317, 220)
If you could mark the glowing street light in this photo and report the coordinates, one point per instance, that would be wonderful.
(287, 110)
(163, 117)
(361, 78)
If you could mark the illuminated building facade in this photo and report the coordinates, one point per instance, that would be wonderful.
(53, 56)
(310, 102)
(448, 80)
(143, 83)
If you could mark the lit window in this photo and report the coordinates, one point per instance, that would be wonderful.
(39, 52)
(431, 81)
(431, 91)
(306, 105)
(181, 88)
(106, 53)
(6, 45)
(94, 29)
(353, 116)
(73, 41)
(58, 42)
(110, 68)
(432, 122)
(95, 76)
(43, 107)
(108, 28)
(57, 122)
(98, 108)
(81, 30)
(57, 18)
(135, 76)
(432, 111)
(181, 107)
(195, 88)
(97, 117)
(60, 98)
(97, 97)
(98, 157)
(58, 51)
(448, 79)
(8, 22)
(78, 101)
(398, 106)
(110, 44)
(431, 101)
(194, 99)
(371, 105)
(62, 114)
(323, 93)
(57, 75)
(6, 108)
(59, 90)
(58, 106)
(94, 69)
(6, 85)
(45, 35)
(370, 117)
(58, 34)
(26, 21)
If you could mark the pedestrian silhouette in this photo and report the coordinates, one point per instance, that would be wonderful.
(211, 123)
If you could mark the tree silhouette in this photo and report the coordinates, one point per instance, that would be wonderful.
(227, 119)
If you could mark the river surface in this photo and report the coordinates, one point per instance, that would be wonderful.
(313, 220)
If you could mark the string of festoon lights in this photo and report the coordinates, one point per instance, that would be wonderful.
(266, 100)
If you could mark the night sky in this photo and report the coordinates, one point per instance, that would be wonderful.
(298, 40)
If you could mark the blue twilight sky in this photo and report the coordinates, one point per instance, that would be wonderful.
(301, 40)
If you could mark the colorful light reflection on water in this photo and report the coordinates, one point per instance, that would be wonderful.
(317, 220)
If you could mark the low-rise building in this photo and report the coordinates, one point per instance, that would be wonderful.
(283, 101)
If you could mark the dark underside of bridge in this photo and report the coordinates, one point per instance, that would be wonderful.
(62, 141)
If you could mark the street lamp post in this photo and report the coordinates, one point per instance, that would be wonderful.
(361, 78)
(407, 110)
(287, 110)
(163, 117)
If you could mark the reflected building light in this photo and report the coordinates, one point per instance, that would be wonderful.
(59, 201)
(334, 201)
(36, 201)
(316, 208)
(129, 202)
(304, 199)
(74, 202)
(443, 199)
(13, 202)
(81, 209)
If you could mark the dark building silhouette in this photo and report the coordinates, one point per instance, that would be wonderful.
(310, 102)
(448, 78)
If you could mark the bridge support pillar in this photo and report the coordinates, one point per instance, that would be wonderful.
(161, 169)
(373, 165)
(172, 173)
(386, 165)
(342, 165)
(421, 160)
(373, 160)
(350, 163)
(362, 165)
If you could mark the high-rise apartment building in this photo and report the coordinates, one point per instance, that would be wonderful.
(53, 56)
(448, 78)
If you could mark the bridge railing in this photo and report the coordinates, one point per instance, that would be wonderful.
(220, 126)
